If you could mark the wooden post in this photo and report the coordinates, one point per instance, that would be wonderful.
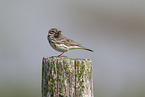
(67, 77)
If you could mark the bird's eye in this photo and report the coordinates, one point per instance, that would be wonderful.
(52, 32)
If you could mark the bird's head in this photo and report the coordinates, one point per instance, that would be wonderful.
(53, 31)
(56, 33)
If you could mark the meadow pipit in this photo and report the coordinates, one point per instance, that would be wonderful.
(61, 43)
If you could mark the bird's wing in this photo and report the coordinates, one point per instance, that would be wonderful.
(68, 42)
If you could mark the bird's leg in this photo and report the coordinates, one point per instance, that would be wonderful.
(62, 54)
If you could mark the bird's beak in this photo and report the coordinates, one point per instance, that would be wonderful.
(59, 32)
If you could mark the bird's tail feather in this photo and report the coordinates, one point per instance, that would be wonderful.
(87, 49)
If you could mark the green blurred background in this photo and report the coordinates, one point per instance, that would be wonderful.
(114, 29)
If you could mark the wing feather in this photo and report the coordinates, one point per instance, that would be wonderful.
(66, 41)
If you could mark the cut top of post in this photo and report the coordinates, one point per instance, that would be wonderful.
(67, 77)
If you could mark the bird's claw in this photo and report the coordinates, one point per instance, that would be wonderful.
(59, 56)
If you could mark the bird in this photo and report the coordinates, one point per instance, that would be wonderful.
(61, 43)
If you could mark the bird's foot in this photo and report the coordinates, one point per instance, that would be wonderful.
(59, 56)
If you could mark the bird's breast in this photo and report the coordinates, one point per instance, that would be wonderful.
(59, 47)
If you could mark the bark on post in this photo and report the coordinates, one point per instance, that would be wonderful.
(66, 77)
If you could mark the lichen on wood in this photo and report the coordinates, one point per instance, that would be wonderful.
(66, 77)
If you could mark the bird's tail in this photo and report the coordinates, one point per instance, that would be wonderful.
(87, 49)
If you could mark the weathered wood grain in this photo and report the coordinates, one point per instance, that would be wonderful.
(66, 77)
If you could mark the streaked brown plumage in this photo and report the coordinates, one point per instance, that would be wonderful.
(62, 43)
